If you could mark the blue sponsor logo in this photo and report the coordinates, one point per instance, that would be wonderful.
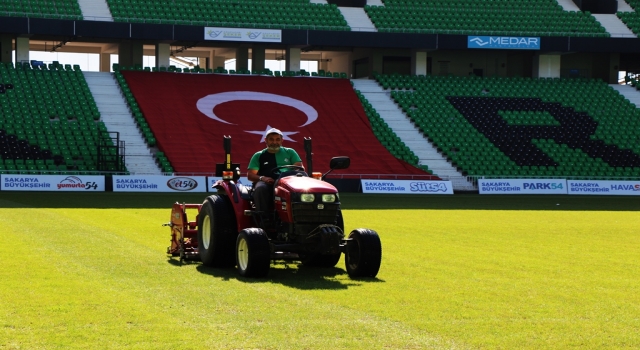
(503, 42)
(625, 187)
(214, 33)
(542, 186)
(428, 187)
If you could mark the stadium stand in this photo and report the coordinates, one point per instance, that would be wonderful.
(49, 122)
(544, 111)
(327, 110)
(161, 159)
(487, 17)
(280, 14)
(577, 128)
(631, 18)
(56, 9)
(387, 137)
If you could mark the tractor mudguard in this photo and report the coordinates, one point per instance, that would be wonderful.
(238, 201)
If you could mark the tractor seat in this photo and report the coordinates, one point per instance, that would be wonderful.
(246, 192)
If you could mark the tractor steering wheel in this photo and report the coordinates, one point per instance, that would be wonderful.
(288, 167)
(289, 170)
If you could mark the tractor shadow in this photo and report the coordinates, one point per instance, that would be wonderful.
(290, 274)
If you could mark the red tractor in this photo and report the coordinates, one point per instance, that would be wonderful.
(306, 224)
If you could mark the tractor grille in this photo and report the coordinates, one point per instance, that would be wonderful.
(308, 213)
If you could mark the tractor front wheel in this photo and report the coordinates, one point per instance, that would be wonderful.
(216, 236)
(364, 253)
(253, 253)
(324, 260)
(327, 260)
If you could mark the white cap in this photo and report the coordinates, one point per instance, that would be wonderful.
(273, 131)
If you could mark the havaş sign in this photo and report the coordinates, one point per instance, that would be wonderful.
(503, 42)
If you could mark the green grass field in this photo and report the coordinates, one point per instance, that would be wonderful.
(458, 272)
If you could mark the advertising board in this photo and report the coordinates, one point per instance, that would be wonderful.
(159, 183)
(522, 186)
(78, 183)
(596, 187)
(503, 42)
(243, 34)
(406, 187)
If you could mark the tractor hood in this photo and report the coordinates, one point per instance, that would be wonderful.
(297, 184)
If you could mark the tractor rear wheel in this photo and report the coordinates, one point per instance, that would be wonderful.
(364, 253)
(216, 232)
(253, 253)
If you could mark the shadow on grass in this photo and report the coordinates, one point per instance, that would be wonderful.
(287, 273)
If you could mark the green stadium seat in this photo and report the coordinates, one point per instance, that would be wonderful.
(448, 129)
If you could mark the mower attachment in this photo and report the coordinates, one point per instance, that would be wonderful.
(184, 233)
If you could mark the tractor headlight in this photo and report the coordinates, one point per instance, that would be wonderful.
(328, 198)
(307, 197)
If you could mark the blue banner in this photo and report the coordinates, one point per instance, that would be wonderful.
(601, 187)
(503, 42)
(406, 187)
(522, 186)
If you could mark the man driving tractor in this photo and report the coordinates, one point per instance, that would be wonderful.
(260, 169)
(306, 225)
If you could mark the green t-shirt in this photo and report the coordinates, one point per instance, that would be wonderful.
(264, 162)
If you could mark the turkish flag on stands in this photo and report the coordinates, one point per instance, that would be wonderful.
(190, 113)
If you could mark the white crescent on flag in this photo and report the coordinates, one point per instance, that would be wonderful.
(206, 104)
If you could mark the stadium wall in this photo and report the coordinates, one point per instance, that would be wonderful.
(203, 184)
(88, 30)
(367, 50)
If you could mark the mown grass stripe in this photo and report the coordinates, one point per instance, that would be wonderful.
(451, 277)
(99, 279)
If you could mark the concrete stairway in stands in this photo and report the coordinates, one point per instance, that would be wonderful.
(407, 132)
(629, 92)
(357, 19)
(117, 117)
(95, 10)
(614, 26)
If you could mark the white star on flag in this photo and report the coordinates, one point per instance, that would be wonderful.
(263, 134)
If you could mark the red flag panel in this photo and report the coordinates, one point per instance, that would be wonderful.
(190, 113)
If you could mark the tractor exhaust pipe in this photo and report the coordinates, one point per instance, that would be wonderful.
(227, 151)
(307, 150)
(228, 165)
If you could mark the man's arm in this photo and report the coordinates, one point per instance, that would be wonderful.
(252, 175)
(295, 158)
(252, 171)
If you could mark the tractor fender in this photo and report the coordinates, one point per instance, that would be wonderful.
(235, 198)
(230, 188)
